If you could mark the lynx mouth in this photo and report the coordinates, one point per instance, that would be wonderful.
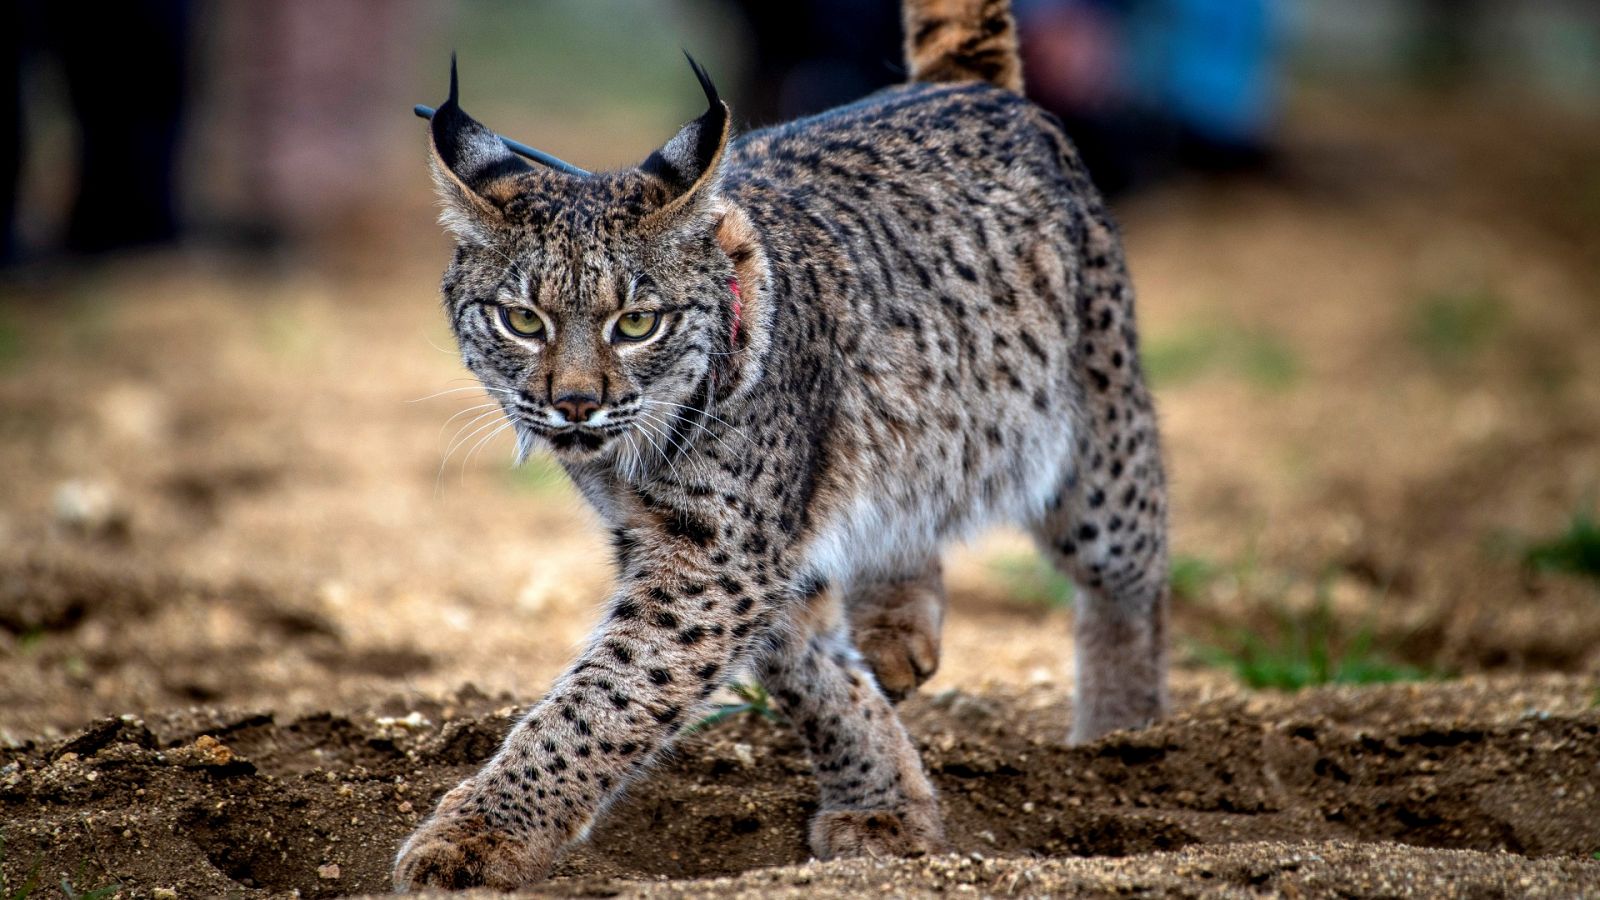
(577, 440)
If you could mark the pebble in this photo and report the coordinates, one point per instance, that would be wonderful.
(89, 508)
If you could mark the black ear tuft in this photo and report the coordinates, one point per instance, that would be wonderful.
(712, 100)
(687, 164)
(469, 157)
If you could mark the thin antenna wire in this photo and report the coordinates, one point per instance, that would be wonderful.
(538, 156)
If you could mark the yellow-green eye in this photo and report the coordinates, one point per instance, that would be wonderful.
(636, 326)
(521, 321)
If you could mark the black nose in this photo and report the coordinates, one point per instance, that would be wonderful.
(577, 407)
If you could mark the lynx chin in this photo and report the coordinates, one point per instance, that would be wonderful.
(787, 368)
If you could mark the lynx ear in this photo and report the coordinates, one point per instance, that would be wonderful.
(688, 164)
(475, 173)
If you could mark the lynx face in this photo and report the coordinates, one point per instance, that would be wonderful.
(591, 341)
(593, 308)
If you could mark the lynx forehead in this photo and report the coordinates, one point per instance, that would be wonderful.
(787, 368)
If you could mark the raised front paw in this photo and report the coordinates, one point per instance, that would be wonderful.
(897, 630)
(912, 830)
(458, 848)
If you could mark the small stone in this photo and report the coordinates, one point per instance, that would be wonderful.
(208, 751)
(411, 720)
(329, 872)
(91, 509)
(164, 893)
(745, 754)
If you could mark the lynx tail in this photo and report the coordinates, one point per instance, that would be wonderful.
(962, 40)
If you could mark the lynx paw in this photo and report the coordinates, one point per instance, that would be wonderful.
(457, 849)
(898, 633)
(908, 831)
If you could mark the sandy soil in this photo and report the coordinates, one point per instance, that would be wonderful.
(204, 802)
(251, 627)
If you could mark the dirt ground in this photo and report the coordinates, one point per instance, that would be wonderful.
(257, 613)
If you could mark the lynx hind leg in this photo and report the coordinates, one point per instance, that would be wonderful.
(1109, 536)
(875, 798)
(896, 624)
(1106, 529)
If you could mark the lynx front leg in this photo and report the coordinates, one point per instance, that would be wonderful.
(896, 623)
(876, 799)
(676, 627)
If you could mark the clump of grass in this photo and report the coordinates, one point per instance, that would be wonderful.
(1308, 648)
(1189, 576)
(1032, 579)
(1266, 361)
(99, 893)
(1179, 358)
(30, 638)
(1451, 327)
(754, 701)
(10, 343)
(1257, 356)
(1575, 551)
(31, 884)
(28, 885)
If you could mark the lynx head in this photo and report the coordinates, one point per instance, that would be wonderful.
(599, 310)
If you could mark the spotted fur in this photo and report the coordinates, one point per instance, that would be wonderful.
(881, 330)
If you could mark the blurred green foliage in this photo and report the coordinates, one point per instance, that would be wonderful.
(10, 342)
(1032, 579)
(540, 475)
(1259, 357)
(540, 71)
(1191, 575)
(1451, 327)
(1575, 551)
(1305, 648)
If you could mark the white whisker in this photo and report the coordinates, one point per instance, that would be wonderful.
(682, 454)
(524, 446)
(482, 442)
(476, 387)
(439, 476)
(490, 405)
(717, 437)
(467, 425)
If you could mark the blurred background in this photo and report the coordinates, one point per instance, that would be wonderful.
(242, 464)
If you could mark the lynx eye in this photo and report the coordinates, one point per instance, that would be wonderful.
(521, 321)
(636, 326)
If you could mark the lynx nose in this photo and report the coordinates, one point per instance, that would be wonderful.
(577, 407)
